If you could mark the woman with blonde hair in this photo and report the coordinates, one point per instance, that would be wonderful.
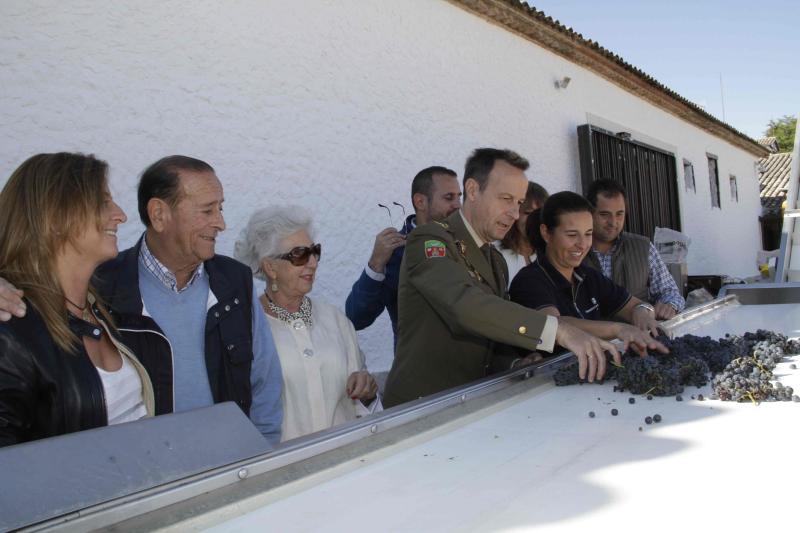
(62, 366)
(325, 379)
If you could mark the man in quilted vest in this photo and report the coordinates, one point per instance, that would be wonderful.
(628, 259)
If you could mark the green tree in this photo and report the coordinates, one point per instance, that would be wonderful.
(783, 130)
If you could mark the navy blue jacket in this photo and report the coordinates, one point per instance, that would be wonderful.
(369, 298)
(229, 336)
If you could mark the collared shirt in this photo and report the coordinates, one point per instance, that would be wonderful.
(480, 242)
(589, 295)
(662, 287)
(162, 273)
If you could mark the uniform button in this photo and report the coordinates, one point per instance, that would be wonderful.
(298, 324)
(216, 314)
(95, 332)
(230, 347)
(236, 301)
(227, 307)
(522, 330)
(308, 352)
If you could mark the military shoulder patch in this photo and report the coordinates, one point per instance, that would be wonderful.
(435, 249)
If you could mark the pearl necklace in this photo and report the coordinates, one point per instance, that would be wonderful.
(287, 316)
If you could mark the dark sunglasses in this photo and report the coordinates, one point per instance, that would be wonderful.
(299, 255)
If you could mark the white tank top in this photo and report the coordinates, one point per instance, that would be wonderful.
(123, 391)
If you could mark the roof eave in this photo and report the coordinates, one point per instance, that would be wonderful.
(550, 34)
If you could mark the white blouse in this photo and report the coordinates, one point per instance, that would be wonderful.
(316, 364)
(515, 261)
(123, 392)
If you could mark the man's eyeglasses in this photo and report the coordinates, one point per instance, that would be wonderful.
(299, 255)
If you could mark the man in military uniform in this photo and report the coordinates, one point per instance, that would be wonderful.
(454, 310)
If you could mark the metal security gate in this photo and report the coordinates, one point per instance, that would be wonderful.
(648, 174)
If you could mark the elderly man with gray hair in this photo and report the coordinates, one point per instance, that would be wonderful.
(325, 381)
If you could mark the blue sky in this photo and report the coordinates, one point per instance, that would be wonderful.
(687, 45)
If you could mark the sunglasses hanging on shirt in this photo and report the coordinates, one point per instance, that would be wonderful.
(299, 255)
(389, 212)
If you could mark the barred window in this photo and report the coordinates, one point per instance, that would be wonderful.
(713, 180)
(734, 189)
(688, 176)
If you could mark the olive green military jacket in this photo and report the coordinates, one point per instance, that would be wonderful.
(454, 313)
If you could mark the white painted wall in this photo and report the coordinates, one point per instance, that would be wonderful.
(334, 105)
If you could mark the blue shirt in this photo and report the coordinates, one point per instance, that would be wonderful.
(371, 294)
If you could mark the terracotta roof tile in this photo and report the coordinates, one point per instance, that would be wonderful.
(770, 142)
(774, 181)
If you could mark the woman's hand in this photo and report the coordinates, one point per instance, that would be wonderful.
(639, 340)
(362, 386)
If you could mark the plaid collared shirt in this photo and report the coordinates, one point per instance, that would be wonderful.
(662, 285)
(161, 272)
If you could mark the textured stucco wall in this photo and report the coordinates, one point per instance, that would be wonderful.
(333, 105)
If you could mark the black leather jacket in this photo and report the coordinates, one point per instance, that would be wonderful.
(45, 391)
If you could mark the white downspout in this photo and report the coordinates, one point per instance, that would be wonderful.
(790, 236)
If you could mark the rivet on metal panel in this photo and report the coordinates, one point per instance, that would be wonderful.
(463, 397)
(242, 473)
(374, 428)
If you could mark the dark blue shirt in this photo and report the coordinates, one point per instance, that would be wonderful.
(369, 297)
(590, 296)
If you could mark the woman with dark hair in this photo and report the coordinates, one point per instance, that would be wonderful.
(558, 284)
(516, 248)
(62, 366)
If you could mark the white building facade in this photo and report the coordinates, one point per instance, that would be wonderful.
(335, 106)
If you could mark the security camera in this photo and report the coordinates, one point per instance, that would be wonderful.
(563, 82)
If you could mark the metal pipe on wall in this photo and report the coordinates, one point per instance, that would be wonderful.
(789, 253)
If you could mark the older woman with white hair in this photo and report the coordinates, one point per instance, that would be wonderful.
(325, 381)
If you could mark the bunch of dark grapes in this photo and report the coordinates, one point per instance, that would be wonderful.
(647, 375)
(742, 366)
(568, 374)
(687, 357)
(715, 354)
(692, 371)
(744, 344)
